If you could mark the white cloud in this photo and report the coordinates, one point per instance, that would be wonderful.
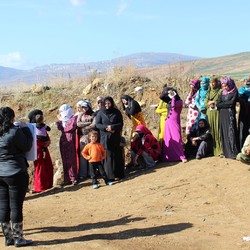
(77, 2)
(123, 5)
(12, 59)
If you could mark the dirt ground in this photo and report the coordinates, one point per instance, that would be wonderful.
(202, 204)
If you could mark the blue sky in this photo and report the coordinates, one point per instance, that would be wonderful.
(39, 32)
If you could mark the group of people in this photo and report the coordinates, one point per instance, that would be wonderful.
(212, 126)
(91, 141)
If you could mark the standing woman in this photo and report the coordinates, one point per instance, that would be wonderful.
(43, 167)
(14, 178)
(201, 96)
(109, 121)
(163, 111)
(67, 125)
(211, 100)
(227, 118)
(85, 123)
(172, 148)
(192, 114)
(133, 110)
(244, 120)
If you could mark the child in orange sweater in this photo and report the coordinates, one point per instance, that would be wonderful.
(95, 153)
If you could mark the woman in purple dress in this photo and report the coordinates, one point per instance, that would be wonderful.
(67, 124)
(172, 148)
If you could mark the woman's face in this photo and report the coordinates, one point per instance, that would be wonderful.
(107, 104)
(213, 84)
(225, 87)
(124, 101)
(79, 108)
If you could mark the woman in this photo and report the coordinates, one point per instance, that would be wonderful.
(145, 149)
(244, 120)
(109, 121)
(227, 118)
(201, 96)
(85, 122)
(43, 167)
(211, 100)
(14, 178)
(192, 114)
(133, 110)
(67, 125)
(163, 111)
(172, 149)
(199, 141)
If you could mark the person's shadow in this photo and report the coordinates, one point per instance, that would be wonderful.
(121, 235)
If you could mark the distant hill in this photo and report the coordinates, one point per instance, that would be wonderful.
(74, 70)
(237, 66)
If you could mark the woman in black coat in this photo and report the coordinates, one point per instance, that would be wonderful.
(109, 121)
(14, 179)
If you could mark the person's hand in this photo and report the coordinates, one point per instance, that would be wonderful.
(47, 143)
(20, 124)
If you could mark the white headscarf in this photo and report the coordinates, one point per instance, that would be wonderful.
(65, 114)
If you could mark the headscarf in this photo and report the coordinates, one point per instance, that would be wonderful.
(164, 95)
(229, 82)
(80, 103)
(195, 85)
(133, 105)
(111, 108)
(205, 128)
(33, 113)
(143, 129)
(65, 114)
(204, 87)
(245, 90)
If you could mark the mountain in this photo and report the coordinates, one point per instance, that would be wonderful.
(9, 76)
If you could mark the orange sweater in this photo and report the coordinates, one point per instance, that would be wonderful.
(94, 152)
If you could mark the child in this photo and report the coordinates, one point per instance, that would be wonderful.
(41, 130)
(95, 153)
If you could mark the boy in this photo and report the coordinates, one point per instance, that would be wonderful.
(95, 153)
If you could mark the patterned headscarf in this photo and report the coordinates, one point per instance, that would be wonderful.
(229, 82)
(195, 84)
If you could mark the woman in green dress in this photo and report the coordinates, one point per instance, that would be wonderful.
(213, 113)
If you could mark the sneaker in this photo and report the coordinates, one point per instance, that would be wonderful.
(95, 186)
(109, 183)
(184, 160)
(74, 182)
(198, 157)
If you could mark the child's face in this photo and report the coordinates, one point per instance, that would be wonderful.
(93, 138)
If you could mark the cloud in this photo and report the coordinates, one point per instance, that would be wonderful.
(12, 59)
(123, 5)
(77, 2)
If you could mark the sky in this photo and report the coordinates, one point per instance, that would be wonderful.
(41, 32)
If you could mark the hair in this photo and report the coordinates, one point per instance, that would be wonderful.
(6, 119)
(93, 132)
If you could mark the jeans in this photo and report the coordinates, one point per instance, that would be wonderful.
(146, 159)
(12, 193)
(93, 167)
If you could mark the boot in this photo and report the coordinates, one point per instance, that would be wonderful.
(19, 241)
(7, 232)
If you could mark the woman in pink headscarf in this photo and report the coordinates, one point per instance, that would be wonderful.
(192, 114)
(67, 124)
(227, 118)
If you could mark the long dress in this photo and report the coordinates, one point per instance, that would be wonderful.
(114, 162)
(163, 111)
(244, 115)
(213, 120)
(172, 143)
(68, 149)
(227, 124)
(43, 172)
(84, 124)
(192, 114)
